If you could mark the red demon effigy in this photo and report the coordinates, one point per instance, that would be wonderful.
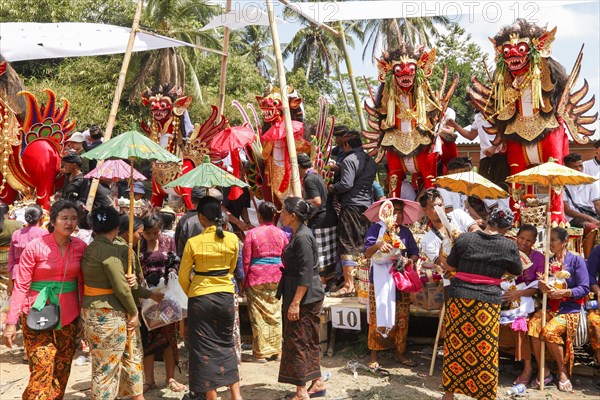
(167, 105)
(277, 169)
(405, 114)
(32, 142)
(531, 102)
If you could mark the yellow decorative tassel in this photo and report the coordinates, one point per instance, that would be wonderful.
(536, 88)
(421, 108)
(391, 108)
(500, 93)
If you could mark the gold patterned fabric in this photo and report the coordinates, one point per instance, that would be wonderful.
(404, 142)
(264, 311)
(396, 337)
(114, 373)
(594, 329)
(471, 348)
(559, 329)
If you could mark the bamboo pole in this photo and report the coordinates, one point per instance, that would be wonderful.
(291, 143)
(130, 245)
(224, 65)
(545, 295)
(361, 118)
(112, 116)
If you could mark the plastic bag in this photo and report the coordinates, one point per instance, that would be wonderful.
(4, 308)
(166, 312)
(176, 290)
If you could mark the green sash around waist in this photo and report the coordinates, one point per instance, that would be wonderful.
(49, 290)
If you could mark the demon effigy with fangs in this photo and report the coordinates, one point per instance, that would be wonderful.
(531, 102)
(405, 116)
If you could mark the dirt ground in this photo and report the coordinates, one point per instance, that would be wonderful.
(259, 381)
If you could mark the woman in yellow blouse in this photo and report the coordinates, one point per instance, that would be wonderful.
(205, 274)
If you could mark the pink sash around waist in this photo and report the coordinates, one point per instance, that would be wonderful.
(477, 279)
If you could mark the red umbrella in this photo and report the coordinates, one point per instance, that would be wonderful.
(277, 131)
(232, 138)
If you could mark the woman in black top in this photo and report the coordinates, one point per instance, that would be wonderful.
(480, 258)
(302, 301)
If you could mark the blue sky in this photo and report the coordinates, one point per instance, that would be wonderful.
(576, 23)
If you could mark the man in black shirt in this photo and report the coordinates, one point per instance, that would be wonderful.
(358, 172)
(76, 186)
(324, 223)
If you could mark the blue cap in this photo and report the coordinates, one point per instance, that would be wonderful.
(138, 187)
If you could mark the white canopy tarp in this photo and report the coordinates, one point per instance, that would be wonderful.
(328, 11)
(240, 18)
(21, 41)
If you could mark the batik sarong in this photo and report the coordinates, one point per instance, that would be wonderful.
(264, 311)
(471, 348)
(50, 355)
(301, 350)
(115, 372)
(594, 329)
(559, 329)
(396, 337)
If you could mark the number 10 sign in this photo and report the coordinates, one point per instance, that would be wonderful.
(345, 318)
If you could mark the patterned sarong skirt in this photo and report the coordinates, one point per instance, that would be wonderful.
(471, 348)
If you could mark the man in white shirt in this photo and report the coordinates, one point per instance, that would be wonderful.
(582, 202)
(492, 160)
(431, 242)
(592, 166)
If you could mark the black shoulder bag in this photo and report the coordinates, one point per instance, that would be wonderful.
(48, 318)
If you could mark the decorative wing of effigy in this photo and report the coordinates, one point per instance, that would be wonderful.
(443, 95)
(482, 98)
(198, 143)
(372, 138)
(572, 108)
(46, 121)
(322, 141)
(254, 150)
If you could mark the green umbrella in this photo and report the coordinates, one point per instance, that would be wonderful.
(207, 175)
(128, 145)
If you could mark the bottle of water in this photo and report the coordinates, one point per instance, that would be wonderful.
(517, 389)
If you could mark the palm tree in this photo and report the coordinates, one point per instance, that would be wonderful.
(254, 43)
(178, 19)
(390, 32)
(309, 45)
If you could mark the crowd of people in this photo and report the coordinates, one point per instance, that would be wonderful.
(285, 263)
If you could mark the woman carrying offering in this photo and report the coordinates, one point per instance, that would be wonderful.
(566, 289)
(49, 271)
(303, 295)
(159, 343)
(388, 308)
(210, 259)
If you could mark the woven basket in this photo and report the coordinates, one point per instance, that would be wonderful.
(535, 216)
(362, 290)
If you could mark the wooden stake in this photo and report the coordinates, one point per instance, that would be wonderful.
(291, 141)
(437, 338)
(224, 65)
(130, 245)
(357, 104)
